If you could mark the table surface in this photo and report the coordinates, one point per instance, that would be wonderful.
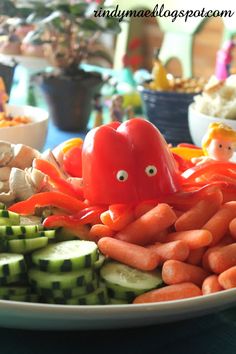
(212, 334)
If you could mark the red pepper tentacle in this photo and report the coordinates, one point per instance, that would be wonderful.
(214, 167)
(56, 199)
(56, 180)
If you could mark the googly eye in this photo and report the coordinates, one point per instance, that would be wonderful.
(122, 176)
(151, 170)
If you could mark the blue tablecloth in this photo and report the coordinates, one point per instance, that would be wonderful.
(212, 334)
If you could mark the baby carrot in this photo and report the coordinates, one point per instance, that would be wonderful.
(194, 238)
(195, 256)
(200, 213)
(132, 255)
(232, 228)
(177, 250)
(227, 279)
(211, 285)
(176, 272)
(222, 258)
(168, 293)
(178, 213)
(161, 236)
(98, 231)
(205, 258)
(218, 224)
(143, 230)
(143, 208)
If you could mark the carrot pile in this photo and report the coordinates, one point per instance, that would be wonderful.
(195, 249)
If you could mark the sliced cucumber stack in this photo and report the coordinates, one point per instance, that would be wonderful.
(14, 290)
(18, 230)
(125, 283)
(9, 218)
(19, 279)
(66, 256)
(26, 245)
(68, 293)
(97, 297)
(23, 297)
(67, 273)
(41, 279)
(11, 264)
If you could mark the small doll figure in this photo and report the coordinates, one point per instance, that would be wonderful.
(116, 110)
(98, 111)
(218, 144)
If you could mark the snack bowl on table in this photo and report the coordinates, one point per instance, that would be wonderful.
(198, 123)
(168, 110)
(33, 133)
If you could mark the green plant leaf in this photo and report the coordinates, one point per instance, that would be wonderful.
(112, 25)
(90, 25)
(79, 10)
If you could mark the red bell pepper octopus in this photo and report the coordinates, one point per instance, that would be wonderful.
(127, 165)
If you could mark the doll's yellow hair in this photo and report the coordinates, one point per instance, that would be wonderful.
(218, 130)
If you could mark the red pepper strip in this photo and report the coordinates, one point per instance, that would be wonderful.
(229, 193)
(65, 187)
(187, 145)
(56, 199)
(213, 167)
(76, 227)
(89, 215)
(187, 187)
(183, 164)
(46, 167)
(55, 179)
(185, 200)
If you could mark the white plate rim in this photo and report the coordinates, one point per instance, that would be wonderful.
(88, 316)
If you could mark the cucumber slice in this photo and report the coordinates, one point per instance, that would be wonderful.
(26, 245)
(9, 218)
(64, 234)
(24, 298)
(66, 256)
(14, 290)
(11, 264)
(124, 282)
(100, 261)
(40, 279)
(14, 279)
(68, 293)
(97, 297)
(50, 234)
(122, 293)
(17, 230)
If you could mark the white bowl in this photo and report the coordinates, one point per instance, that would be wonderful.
(198, 124)
(32, 134)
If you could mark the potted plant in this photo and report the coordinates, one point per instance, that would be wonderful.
(68, 31)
